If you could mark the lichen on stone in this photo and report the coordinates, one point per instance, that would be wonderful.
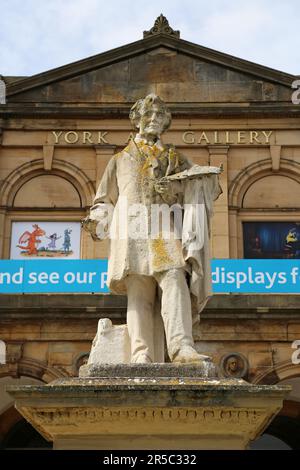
(161, 257)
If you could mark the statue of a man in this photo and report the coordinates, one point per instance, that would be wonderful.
(163, 272)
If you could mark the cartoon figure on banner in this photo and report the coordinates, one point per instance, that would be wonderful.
(32, 240)
(32, 246)
(67, 240)
(293, 243)
(53, 238)
(291, 236)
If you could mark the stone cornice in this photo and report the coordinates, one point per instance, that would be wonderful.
(95, 306)
(211, 110)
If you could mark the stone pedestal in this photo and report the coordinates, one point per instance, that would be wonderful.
(142, 406)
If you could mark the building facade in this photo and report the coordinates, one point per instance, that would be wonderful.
(58, 130)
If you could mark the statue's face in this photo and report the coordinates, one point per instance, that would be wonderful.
(152, 122)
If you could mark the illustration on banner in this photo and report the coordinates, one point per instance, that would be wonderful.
(271, 240)
(45, 240)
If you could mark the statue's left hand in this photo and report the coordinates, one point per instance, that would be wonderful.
(163, 187)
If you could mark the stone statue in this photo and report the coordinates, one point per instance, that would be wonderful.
(162, 267)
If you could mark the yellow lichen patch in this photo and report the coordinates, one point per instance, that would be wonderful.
(148, 156)
(173, 155)
(145, 167)
(161, 258)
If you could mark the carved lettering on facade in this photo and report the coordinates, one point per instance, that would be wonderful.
(234, 137)
(80, 137)
(202, 138)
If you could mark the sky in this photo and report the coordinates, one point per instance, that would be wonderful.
(39, 35)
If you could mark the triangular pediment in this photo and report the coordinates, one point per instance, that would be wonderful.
(177, 70)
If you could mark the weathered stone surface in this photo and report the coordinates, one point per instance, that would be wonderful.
(149, 413)
(136, 264)
(172, 87)
(161, 26)
(150, 371)
(111, 345)
(180, 78)
(91, 305)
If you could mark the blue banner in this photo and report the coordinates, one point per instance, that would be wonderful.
(68, 276)
(90, 276)
(256, 276)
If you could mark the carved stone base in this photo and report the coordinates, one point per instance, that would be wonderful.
(156, 407)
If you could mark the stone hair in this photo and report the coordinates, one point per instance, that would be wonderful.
(139, 108)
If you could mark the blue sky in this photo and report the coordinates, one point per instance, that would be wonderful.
(38, 35)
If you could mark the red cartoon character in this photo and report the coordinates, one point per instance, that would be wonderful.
(31, 238)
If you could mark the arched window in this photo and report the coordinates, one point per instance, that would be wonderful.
(49, 191)
(273, 191)
(264, 211)
(16, 432)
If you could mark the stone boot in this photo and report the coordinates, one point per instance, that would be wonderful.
(187, 354)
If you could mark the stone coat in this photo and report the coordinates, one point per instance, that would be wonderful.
(130, 177)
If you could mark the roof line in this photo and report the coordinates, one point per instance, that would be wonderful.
(144, 45)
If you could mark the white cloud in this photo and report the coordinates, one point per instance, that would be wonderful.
(37, 35)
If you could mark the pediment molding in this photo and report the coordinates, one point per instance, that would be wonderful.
(144, 46)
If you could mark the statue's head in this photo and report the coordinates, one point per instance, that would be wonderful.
(150, 116)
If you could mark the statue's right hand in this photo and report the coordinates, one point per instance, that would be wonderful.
(90, 225)
(97, 223)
